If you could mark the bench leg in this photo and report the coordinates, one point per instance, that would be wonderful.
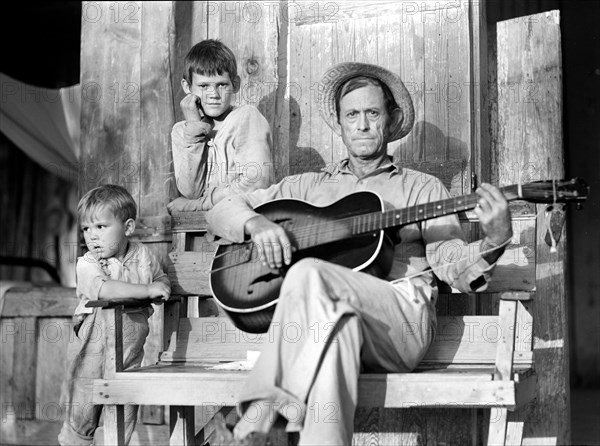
(182, 425)
(506, 428)
(114, 425)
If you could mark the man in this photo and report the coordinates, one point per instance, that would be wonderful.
(349, 321)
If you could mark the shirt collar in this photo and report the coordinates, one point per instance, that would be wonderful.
(342, 167)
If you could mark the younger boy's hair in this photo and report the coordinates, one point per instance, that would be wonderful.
(209, 58)
(118, 200)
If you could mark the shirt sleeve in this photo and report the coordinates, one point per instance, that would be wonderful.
(90, 278)
(229, 216)
(158, 274)
(451, 258)
(190, 157)
(252, 142)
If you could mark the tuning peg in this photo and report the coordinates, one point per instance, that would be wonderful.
(579, 206)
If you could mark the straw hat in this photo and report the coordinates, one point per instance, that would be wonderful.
(337, 75)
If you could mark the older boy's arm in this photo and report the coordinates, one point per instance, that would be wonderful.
(252, 158)
(190, 159)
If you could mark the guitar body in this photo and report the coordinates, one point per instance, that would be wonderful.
(248, 291)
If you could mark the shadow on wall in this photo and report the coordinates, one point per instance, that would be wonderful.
(428, 149)
(302, 159)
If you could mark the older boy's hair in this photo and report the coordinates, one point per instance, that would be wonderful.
(209, 58)
(115, 197)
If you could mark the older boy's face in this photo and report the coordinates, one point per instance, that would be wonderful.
(215, 92)
(105, 235)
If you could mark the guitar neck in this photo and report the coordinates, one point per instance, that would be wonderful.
(375, 221)
(318, 234)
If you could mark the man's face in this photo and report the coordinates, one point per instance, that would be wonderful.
(215, 92)
(364, 122)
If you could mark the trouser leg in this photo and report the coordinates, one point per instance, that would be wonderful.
(315, 297)
(86, 358)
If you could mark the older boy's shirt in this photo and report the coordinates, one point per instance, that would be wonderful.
(438, 243)
(237, 160)
(139, 266)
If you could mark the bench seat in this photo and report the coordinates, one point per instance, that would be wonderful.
(181, 384)
(483, 360)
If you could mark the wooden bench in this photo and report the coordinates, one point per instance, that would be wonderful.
(476, 361)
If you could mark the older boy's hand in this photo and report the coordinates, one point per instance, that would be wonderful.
(191, 106)
(158, 290)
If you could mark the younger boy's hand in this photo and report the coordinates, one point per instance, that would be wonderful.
(191, 107)
(158, 290)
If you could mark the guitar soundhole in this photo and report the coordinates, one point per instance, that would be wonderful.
(265, 278)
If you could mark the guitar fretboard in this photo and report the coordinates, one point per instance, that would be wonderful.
(375, 221)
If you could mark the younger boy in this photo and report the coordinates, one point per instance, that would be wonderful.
(219, 150)
(113, 268)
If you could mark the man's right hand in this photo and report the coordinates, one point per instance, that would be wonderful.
(191, 106)
(272, 241)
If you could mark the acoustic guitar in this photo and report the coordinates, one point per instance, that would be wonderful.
(350, 232)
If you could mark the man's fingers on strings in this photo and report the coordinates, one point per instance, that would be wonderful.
(495, 193)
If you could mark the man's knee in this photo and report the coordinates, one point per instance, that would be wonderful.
(301, 276)
(306, 266)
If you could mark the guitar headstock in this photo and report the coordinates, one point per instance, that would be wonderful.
(556, 191)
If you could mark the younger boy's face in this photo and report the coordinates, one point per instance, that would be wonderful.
(106, 235)
(215, 92)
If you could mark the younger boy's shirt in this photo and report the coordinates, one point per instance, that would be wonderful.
(139, 266)
(236, 160)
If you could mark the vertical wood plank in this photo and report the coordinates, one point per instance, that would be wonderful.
(52, 339)
(436, 41)
(530, 148)
(24, 366)
(458, 94)
(114, 425)
(251, 30)
(110, 88)
(310, 138)
(388, 51)
(9, 332)
(157, 183)
(182, 425)
(412, 69)
(191, 26)
(480, 93)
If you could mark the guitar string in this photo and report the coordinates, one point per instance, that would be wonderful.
(325, 229)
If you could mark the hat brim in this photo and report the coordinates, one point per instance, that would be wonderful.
(338, 74)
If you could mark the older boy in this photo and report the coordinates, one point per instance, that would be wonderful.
(219, 150)
(113, 268)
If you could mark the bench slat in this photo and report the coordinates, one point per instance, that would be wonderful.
(459, 340)
(399, 390)
(188, 272)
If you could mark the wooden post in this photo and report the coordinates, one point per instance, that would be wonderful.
(126, 118)
(529, 148)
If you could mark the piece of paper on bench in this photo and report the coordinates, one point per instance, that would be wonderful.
(251, 357)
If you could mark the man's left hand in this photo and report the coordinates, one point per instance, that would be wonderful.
(494, 214)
